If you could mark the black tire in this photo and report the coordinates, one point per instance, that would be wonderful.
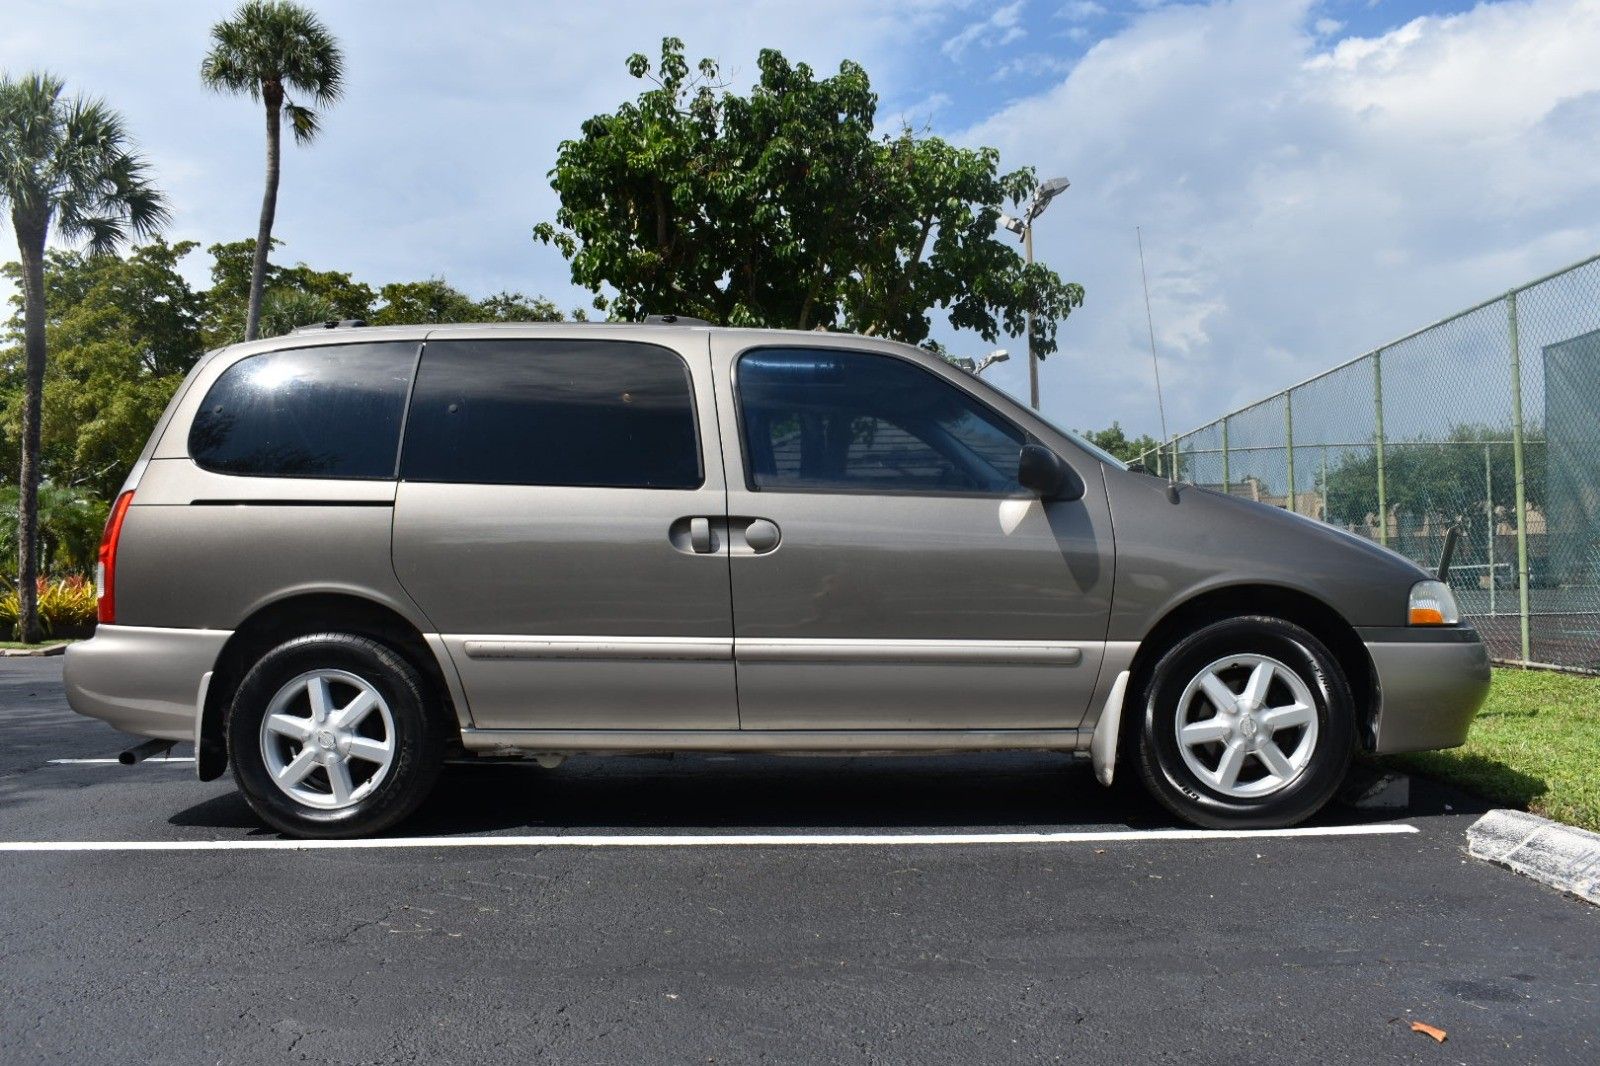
(1170, 778)
(418, 737)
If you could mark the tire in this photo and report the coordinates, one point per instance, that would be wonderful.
(337, 779)
(1261, 763)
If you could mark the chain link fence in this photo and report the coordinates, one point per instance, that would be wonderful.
(1488, 421)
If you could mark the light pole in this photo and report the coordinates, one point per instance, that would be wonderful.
(1023, 227)
(976, 367)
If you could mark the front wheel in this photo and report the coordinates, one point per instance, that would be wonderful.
(331, 735)
(1248, 723)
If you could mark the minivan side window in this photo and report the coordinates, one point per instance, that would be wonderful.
(827, 420)
(332, 411)
(604, 413)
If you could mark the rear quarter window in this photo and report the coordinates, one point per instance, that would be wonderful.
(598, 413)
(326, 412)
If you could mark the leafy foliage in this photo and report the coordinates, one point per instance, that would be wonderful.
(1115, 440)
(271, 48)
(70, 522)
(784, 208)
(1444, 478)
(65, 605)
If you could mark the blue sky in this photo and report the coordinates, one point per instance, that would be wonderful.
(1311, 178)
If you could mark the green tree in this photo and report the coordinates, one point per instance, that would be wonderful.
(784, 208)
(268, 49)
(293, 296)
(1115, 440)
(122, 331)
(66, 163)
(1440, 481)
(70, 521)
(436, 300)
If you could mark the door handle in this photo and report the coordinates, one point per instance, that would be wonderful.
(700, 535)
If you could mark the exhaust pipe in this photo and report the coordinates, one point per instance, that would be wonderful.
(141, 752)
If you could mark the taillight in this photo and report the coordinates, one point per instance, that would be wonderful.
(106, 570)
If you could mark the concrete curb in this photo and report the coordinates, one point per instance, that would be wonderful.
(1559, 855)
(33, 653)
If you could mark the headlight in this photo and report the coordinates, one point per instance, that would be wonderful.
(1432, 604)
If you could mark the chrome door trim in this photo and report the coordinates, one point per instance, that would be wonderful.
(630, 649)
(986, 652)
(511, 741)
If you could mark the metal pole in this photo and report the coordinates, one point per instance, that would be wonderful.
(1488, 510)
(1324, 515)
(1517, 467)
(1288, 436)
(1033, 360)
(1226, 484)
(1377, 411)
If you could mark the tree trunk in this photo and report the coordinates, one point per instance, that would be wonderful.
(269, 209)
(30, 245)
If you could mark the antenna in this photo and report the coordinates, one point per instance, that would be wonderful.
(1150, 323)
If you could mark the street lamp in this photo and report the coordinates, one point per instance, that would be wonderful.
(974, 367)
(1023, 227)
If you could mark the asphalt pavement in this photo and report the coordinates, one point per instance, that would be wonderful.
(1127, 948)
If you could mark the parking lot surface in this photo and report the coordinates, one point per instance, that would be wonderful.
(1130, 947)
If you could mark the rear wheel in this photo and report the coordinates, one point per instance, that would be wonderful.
(332, 735)
(1247, 723)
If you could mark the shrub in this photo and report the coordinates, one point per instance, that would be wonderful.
(66, 605)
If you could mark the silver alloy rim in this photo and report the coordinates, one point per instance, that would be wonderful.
(327, 739)
(1247, 726)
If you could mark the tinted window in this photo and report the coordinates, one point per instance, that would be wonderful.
(553, 412)
(849, 421)
(331, 412)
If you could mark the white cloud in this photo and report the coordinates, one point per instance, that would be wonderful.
(1300, 206)
(1000, 28)
(1080, 10)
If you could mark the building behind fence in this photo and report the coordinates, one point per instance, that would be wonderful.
(1488, 421)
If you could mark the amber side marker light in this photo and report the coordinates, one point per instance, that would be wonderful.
(1432, 604)
(106, 566)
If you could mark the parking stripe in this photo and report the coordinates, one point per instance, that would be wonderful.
(757, 840)
(118, 762)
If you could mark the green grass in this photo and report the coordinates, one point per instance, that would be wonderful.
(1535, 745)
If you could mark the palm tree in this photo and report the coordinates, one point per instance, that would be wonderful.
(70, 163)
(268, 49)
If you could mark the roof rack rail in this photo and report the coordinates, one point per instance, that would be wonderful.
(674, 320)
(332, 323)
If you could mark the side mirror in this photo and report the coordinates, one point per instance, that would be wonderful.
(1045, 474)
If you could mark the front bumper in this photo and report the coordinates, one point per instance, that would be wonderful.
(141, 679)
(1430, 682)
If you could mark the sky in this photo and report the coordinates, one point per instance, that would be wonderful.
(1311, 179)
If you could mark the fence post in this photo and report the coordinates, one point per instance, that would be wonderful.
(1517, 467)
(1288, 436)
(1226, 484)
(1377, 411)
(1488, 511)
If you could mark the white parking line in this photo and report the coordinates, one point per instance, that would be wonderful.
(763, 840)
(117, 762)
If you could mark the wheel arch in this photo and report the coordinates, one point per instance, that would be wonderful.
(1278, 601)
(299, 615)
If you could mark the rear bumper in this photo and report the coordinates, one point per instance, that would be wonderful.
(141, 679)
(1430, 684)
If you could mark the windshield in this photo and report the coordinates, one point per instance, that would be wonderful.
(1004, 399)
